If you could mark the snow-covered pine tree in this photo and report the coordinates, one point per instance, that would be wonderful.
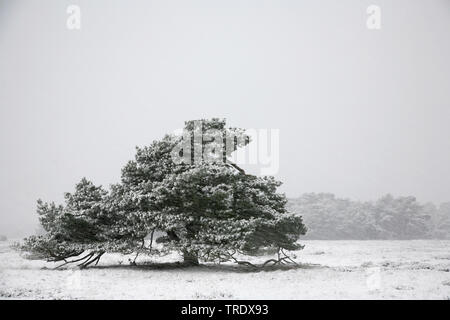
(210, 210)
(207, 210)
(89, 224)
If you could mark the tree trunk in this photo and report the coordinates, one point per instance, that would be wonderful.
(190, 259)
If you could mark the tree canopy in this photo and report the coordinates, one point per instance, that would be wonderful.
(182, 189)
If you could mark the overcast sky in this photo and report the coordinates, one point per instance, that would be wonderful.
(361, 112)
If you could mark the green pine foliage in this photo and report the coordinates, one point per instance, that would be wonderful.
(205, 210)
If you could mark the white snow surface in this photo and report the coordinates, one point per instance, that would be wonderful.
(418, 269)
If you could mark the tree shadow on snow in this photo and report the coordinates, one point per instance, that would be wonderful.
(210, 267)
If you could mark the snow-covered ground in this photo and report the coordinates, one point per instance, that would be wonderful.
(329, 270)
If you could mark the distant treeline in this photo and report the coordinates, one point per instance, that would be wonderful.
(328, 217)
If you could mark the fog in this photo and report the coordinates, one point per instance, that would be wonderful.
(360, 112)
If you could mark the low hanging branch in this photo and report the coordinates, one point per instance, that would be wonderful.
(133, 263)
(55, 257)
(143, 248)
(87, 260)
(95, 259)
(282, 259)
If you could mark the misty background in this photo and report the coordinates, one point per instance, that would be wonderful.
(361, 112)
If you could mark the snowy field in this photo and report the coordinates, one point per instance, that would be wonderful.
(329, 270)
